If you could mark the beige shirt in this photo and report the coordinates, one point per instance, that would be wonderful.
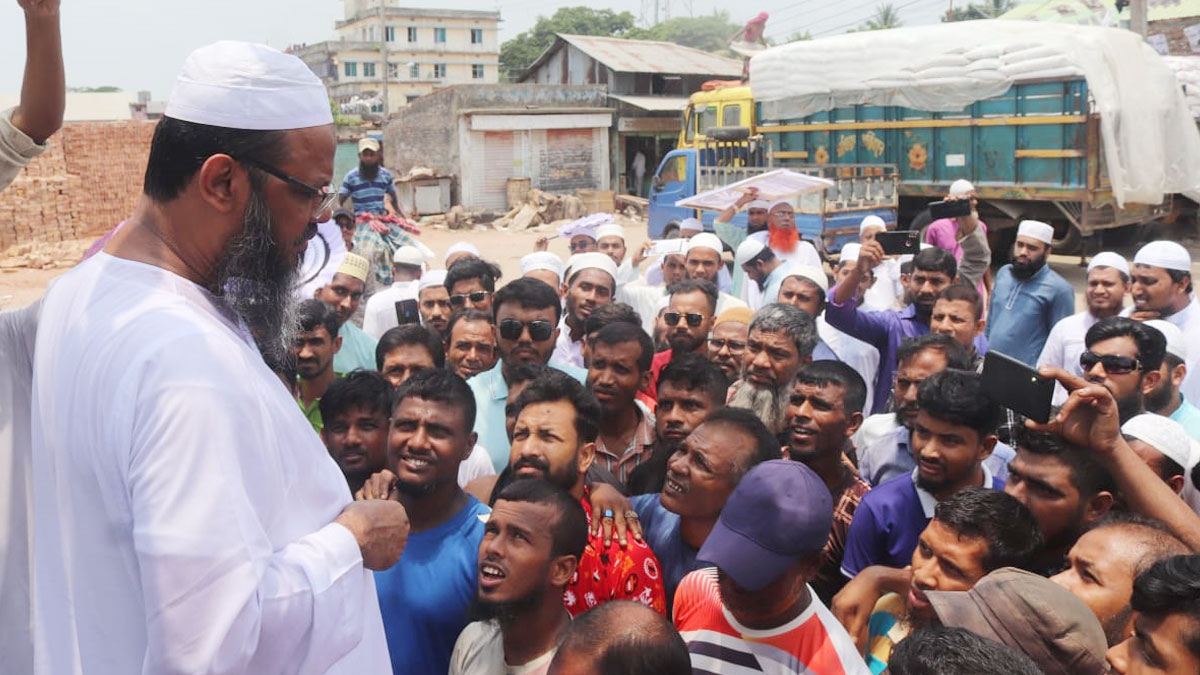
(480, 651)
(16, 149)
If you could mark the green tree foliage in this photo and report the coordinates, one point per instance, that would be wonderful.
(989, 9)
(798, 36)
(885, 17)
(518, 53)
(708, 33)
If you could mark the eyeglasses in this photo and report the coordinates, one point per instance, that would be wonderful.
(325, 194)
(1114, 364)
(539, 330)
(734, 345)
(693, 320)
(461, 299)
(577, 246)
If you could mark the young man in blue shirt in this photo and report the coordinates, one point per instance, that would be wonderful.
(953, 434)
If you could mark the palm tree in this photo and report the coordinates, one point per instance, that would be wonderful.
(885, 17)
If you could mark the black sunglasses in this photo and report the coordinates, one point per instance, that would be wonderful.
(539, 330)
(1114, 364)
(693, 320)
(461, 299)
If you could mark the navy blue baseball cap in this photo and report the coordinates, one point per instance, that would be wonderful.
(779, 512)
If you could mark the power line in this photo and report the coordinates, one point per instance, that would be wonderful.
(831, 31)
(809, 22)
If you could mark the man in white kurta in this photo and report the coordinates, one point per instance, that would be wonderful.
(186, 518)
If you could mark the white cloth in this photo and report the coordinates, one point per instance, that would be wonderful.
(567, 350)
(1063, 347)
(626, 273)
(477, 465)
(16, 149)
(380, 312)
(1188, 321)
(875, 429)
(185, 513)
(480, 651)
(18, 329)
(321, 259)
(644, 300)
(859, 355)
(887, 292)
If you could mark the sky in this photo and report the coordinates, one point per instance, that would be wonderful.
(140, 44)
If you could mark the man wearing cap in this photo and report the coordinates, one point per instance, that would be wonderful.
(755, 612)
(592, 283)
(460, 250)
(545, 267)
(727, 340)
(1166, 398)
(344, 293)
(610, 240)
(579, 233)
(1107, 285)
(763, 267)
(367, 184)
(702, 258)
(944, 233)
(734, 235)
(381, 313)
(1162, 289)
(1028, 297)
(847, 261)
(1163, 445)
(206, 524)
(804, 288)
(1029, 613)
(887, 290)
(433, 301)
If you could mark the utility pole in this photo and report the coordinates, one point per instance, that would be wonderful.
(1137, 17)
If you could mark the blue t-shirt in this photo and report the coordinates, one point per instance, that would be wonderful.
(1189, 417)
(661, 529)
(424, 597)
(889, 522)
(367, 194)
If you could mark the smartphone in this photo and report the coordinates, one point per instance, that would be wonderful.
(666, 246)
(907, 242)
(1017, 386)
(406, 312)
(950, 209)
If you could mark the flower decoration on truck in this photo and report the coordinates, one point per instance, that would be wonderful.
(917, 157)
(821, 156)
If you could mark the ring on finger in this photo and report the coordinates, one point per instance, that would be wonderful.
(608, 513)
(631, 515)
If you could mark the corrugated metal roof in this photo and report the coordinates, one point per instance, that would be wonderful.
(654, 103)
(645, 56)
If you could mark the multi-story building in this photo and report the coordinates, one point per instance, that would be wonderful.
(386, 55)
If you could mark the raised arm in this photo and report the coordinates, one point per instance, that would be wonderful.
(43, 91)
(977, 254)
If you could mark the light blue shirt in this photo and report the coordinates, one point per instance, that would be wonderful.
(891, 456)
(491, 394)
(357, 351)
(1188, 416)
(772, 284)
(1023, 312)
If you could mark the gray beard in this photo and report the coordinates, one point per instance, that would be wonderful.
(768, 405)
(257, 283)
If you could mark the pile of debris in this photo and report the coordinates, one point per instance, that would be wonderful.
(41, 255)
(541, 208)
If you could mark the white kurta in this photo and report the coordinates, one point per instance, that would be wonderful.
(859, 355)
(1187, 321)
(380, 312)
(183, 516)
(1064, 346)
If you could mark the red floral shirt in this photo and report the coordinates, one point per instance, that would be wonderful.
(615, 573)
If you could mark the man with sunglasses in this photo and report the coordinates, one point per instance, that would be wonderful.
(527, 313)
(471, 283)
(688, 319)
(1125, 356)
(206, 523)
(408, 264)
(591, 283)
(1162, 289)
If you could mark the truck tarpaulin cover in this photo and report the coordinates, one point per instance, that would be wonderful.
(1151, 144)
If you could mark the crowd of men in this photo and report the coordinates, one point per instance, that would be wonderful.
(610, 464)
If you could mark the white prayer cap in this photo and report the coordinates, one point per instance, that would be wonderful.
(1176, 345)
(961, 186)
(408, 255)
(849, 253)
(748, 250)
(1163, 434)
(759, 204)
(599, 261)
(1165, 254)
(610, 230)
(871, 221)
(240, 85)
(1037, 230)
(585, 226)
(813, 274)
(781, 202)
(1109, 259)
(542, 260)
(691, 225)
(462, 247)
(432, 278)
(704, 240)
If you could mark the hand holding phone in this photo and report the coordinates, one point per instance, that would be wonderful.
(1017, 386)
(899, 243)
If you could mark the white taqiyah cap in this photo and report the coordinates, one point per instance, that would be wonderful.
(813, 274)
(758, 204)
(585, 226)
(691, 225)
(1165, 254)
(408, 255)
(1164, 435)
(871, 221)
(778, 203)
(610, 230)
(355, 266)
(961, 186)
(432, 278)
(747, 250)
(849, 253)
(704, 240)
(1036, 229)
(1109, 259)
(241, 85)
(593, 260)
(462, 247)
(1176, 345)
(542, 260)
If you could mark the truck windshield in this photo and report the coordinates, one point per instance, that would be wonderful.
(732, 116)
(708, 119)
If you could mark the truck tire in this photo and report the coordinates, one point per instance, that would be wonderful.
(1071, 241)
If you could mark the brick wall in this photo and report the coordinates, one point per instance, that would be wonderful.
(1177, 43)
(88, 181)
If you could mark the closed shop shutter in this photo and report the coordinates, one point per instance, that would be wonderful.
(491, 165)
(566, 160)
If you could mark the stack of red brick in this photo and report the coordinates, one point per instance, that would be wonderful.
(88, 181)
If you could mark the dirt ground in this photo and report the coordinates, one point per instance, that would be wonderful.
(21, 286)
